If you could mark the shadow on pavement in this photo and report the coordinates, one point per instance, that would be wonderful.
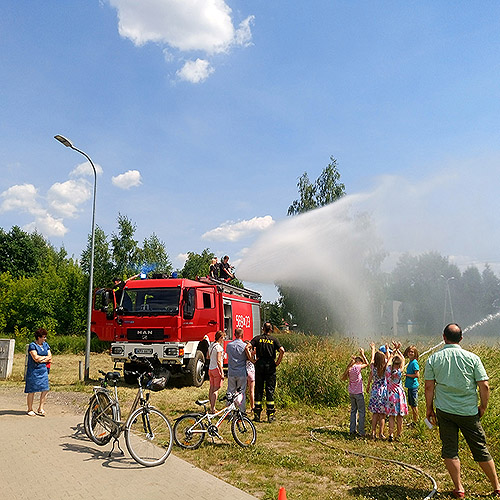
(112, 462)
(79, 433)
(12, 412)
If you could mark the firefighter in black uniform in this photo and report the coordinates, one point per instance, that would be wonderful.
(266, 347)
(119, 285)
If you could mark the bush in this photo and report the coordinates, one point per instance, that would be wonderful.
(59, 344)
(312, 374)
(292, 342)
(75, 344)
(491, 359)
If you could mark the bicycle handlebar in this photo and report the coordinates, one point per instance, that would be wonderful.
(141, 375)
(230, 397)
(145, 361)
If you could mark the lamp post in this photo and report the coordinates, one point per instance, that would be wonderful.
(447, 292)
(68, 144)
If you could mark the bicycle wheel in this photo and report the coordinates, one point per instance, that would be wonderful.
(86, 422)
(243, 430)
(148, 436)
(100, 419)
(188, 433)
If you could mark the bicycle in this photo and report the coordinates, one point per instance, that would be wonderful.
(190, 429)
(148, 432)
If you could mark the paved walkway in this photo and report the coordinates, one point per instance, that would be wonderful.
(51, 458)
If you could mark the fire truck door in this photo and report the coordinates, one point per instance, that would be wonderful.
(228, 319)
(204, 318)
(103, 314)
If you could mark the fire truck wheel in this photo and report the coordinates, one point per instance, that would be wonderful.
(196, 370)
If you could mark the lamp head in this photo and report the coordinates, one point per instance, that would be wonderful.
(64, 141)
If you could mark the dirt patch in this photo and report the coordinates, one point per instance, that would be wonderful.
(13, 398)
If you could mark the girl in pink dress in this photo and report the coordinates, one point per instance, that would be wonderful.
(396, 407)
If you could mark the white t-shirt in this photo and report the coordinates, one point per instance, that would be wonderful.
(213, 350)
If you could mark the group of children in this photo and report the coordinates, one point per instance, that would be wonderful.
(387, 395)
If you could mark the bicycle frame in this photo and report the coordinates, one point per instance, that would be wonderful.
(222, 414)
(148, 432)
(117, 426)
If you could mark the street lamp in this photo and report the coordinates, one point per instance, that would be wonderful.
(447, 292)
(68, 144)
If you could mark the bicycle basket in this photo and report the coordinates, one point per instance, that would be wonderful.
(157, 384)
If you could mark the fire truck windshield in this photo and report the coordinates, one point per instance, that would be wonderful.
(151, 301)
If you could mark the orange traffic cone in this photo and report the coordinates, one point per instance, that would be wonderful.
(282, 494)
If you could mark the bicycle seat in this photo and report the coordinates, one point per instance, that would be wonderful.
(202, 402)
(113, 376)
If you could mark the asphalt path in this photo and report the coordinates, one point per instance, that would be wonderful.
(51, 458)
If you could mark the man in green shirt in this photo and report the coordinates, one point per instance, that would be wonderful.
(452, 377)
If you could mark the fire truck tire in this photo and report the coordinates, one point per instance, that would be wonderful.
(196, 370)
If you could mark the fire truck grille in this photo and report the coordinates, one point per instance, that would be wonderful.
(145, 333)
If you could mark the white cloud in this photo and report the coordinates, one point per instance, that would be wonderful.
(85, 170)
(195, 71)
(62, 200)
(234, 231)
(65, 197)
(181, 258)
(21, 197)
(24, 198)
(127, 180)
(47, 225)
(182, 25)
(168, 56)
(243, 35)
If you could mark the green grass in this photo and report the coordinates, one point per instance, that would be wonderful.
(310, 395)
(312, 374)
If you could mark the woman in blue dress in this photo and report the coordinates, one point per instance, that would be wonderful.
(37, 375)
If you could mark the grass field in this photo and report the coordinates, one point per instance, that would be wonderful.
(286, 455)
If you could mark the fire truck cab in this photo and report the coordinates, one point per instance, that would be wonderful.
(171, 322)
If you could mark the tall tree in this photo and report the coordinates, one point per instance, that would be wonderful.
(22, 253)
(421, 283)
(491, 292)
(53, 296)
(468, 296)
(197, 264)
(326, 189)
(154, 257)
(124, 248)
(103, 265)
(307, 307)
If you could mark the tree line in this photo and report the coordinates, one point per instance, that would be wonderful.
(429, 290)
(40, 286)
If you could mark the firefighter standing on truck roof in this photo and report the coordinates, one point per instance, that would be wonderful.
(266, 347)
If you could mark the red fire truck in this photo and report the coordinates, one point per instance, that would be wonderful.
(171, 322)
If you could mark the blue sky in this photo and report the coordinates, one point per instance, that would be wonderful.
(202, 114)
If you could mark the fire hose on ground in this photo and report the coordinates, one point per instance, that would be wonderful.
(382, 459)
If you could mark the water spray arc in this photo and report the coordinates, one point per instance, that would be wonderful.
(481, 322)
